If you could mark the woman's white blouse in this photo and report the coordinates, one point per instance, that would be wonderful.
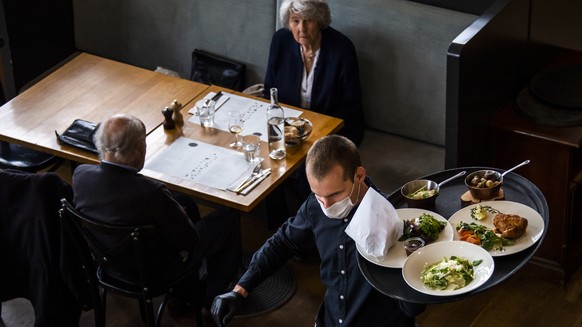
(307, 81)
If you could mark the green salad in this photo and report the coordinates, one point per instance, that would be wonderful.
(449, 273)
(425, 226)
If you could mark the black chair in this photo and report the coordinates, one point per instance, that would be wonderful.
(209, 68)
(34, 264)
(97, 261)
(14, 156)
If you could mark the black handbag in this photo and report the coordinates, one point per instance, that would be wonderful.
(209, 68)
(79, 135)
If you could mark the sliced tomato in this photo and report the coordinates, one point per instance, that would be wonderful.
(465, 232)
(474, 239)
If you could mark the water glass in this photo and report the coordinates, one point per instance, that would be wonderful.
(205, 110)
(252, 147)
(235, 126)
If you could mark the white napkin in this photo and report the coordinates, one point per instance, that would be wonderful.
(375, 226)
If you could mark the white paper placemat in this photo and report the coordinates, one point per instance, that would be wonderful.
(202, 163)
(254, 114)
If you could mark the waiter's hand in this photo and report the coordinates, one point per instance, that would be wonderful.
(225, 306)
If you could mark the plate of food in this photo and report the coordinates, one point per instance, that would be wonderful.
(500, 227)
(448, 268)
(425, 224)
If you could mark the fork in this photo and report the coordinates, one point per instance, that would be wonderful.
(249, 183)
(255, 172)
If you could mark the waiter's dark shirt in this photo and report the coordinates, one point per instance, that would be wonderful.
(350, 300)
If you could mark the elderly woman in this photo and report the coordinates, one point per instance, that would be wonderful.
(315, 67)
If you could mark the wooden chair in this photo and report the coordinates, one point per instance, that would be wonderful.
(99, 261)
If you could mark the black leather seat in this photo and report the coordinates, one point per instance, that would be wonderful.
(13, 156)
(210, 68)
(103, 264)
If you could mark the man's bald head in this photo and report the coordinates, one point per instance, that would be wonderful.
(121, 139)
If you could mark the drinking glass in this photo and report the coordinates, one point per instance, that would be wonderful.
(205, 110)
(235, 126)
(252, 147)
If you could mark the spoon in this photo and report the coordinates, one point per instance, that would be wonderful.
(512, 169)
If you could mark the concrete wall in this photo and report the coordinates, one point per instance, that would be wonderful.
(402, 47)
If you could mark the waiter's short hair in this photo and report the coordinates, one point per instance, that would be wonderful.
(329, 151)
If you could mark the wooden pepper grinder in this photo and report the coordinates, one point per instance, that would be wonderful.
(178, 118)
(168, 121)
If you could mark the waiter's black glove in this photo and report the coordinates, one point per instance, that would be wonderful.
(225, 306)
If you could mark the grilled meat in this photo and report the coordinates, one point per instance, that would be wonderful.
(510, 226)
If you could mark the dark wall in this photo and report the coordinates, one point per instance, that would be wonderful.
(40, 35)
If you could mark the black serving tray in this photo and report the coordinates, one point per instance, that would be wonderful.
(390, 282)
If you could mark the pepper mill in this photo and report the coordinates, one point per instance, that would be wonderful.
(168, 121)
(178, 118)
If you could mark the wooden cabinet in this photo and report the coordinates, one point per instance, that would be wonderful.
(556, 169)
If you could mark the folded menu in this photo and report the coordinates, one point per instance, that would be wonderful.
(375, 227)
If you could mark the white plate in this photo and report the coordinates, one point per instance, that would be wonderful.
(397, 255)
(434, 253)
(535, 223)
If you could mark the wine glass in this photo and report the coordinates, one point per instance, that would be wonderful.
(235, 126)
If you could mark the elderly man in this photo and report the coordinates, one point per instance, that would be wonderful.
(338, 183)
(115, 192)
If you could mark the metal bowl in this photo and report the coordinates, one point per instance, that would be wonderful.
(296, 130)
(411, 187)
(484, 192)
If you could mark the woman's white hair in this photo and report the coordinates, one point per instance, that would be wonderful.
(316, 10)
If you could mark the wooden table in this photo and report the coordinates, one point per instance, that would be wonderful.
(160, 139)
(90, 88)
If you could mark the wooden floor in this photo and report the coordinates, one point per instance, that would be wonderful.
(526, 299)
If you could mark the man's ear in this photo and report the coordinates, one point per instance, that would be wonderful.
(360, 174)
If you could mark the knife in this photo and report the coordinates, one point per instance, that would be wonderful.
(252, 180)
(255, 183)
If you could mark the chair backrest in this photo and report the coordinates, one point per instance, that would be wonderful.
(209, 68)
(34, 261)
(118, 249)
(14, 156)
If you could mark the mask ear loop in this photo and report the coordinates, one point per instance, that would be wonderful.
(358, 197)
(359, 189)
